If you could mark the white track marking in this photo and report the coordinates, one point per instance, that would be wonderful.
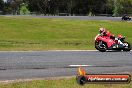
(80, 65)
(48, 50)
(53, 51)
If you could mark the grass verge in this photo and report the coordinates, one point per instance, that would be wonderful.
(27, 33)
(60, 83)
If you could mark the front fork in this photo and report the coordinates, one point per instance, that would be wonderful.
(118, 41)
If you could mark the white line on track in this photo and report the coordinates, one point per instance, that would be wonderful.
(49, 51)
(72, 50)
(52, 51)
(80, 65)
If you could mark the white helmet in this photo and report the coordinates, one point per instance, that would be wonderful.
(101, 30)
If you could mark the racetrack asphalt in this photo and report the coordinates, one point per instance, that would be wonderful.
(40, 64)
(83, 17)
(71, 17)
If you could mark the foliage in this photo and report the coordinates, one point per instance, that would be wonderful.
(72, 7)
(1, 5)
(23, 9)
(117, 8)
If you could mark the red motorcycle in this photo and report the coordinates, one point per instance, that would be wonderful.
(103, 43)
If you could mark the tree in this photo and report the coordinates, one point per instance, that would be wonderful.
(126, 6)
(117, 8)
(15, 4)
(122, 7)
(7, 8)
(73, 7)
(109, 6)
(1, 5)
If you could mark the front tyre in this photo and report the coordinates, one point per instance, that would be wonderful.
(127, 46)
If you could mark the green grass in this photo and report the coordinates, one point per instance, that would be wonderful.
(27, 33)
(60, 83)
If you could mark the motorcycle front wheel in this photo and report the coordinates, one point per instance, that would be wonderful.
(127, 47)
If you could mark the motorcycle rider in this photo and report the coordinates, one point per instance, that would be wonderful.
(104, 32)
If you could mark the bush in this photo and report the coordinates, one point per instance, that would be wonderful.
(24, 10)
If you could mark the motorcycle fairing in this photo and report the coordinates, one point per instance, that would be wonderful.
(107, 40)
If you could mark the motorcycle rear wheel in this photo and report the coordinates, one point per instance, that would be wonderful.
(101, 47)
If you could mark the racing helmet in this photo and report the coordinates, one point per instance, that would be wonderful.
(101, 30)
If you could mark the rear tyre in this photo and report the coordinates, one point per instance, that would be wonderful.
(101, 47)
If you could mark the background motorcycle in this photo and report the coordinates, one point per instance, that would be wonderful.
(126, 17)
